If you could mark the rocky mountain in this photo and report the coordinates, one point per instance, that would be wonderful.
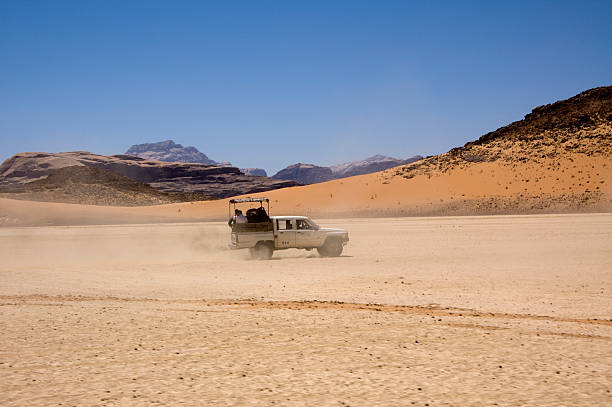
(312, 174)
(81, 184)
(256, 172)
(169, 151)
(174, 177)
(305, 173)
(579, 125)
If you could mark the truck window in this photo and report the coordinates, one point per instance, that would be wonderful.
(303, 224)
(284, 224)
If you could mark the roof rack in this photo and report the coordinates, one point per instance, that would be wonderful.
(249, 200)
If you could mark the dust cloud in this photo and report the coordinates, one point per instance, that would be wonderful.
(112, 245)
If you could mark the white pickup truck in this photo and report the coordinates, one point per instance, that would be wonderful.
(264, 236)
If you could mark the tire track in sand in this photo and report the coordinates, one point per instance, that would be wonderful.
(38, 299)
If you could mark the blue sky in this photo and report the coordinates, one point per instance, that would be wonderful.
(270, 83)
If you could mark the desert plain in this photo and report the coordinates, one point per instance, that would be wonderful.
(451, 311)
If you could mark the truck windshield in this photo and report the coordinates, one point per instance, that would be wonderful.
(304, 224)
(313, 225)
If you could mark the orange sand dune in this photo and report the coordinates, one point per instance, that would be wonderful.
(572, 184)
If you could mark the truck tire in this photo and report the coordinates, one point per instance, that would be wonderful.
(331, 248)
(262, 251)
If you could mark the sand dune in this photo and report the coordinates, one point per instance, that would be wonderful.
(573, 184)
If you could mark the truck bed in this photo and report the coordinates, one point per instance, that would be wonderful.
(246, 235)
(252, 227)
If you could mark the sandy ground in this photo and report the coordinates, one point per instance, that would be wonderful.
(506, 310)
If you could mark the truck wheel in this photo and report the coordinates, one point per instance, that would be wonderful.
(262, 251)
(331, 248)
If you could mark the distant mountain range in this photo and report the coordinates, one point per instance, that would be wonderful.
(312, 174)
(169, 151)
(371, 164)
(155, 173)
(184, 181)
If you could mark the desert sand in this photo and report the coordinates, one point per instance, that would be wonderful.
(464, 311)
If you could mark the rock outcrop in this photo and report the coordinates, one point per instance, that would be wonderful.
(169, 151)
(174, 177)
(255, 172)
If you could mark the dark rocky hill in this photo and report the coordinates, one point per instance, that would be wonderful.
(169, 151)
(586, 110)
(93, 186)
(213, 181)
(305, 173)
